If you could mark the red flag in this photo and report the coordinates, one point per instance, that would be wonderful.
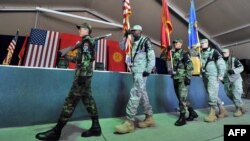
(42, 48)
(166, 25)
(11, 49)
(21, 53)
(116, 57)
(68, 40)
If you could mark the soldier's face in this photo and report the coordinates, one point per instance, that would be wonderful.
(136, 33)
(83, 32)
(177, 45)
(204, 45)
(226, 54)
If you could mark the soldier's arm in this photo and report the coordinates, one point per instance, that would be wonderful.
(188, 64)
(150, 56)
(220, 63)
(238, 66)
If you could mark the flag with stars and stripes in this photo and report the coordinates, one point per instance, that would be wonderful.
(11, 49)
(42, 48)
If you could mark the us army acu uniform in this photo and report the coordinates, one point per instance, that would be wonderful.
(233, 81)
(213, 69)
(143, 61)
(80, 90)
(182, 73)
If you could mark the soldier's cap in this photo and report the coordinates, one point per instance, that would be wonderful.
(85, 25)
(225, 50)
(204, 41)
(137, 27)
(178, 41)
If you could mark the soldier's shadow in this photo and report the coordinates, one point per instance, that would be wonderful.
(71, 130)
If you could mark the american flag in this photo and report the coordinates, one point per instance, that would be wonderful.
(11, 49)
(126, 26)
(42, 48)
(101, 53)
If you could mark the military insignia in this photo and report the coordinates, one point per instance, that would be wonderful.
(85, 47)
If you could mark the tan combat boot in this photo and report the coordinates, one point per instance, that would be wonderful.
(211, 116)
(238, 112)
(147, 122)
(222, 112)
(127, 127)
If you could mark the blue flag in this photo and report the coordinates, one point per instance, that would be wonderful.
(192, 28)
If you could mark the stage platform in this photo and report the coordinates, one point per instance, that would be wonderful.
(31, 96)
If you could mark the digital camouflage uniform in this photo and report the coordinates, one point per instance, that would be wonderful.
(233, 83)
(183, 67)
(81, 88)
(213, 67)
(143, 59)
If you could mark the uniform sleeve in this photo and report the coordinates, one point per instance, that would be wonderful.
(188, 64)
(150, 56)
(238, 66)
(221, 65)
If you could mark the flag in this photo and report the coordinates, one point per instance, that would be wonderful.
(166, 27)
(101, 52)
(126, 26)
(192, 28)
(11, 49)
(69, 40)
(42, 48)
(116, 57)
(21, 53)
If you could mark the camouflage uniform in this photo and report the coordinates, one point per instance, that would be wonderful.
(83, 55)
(213, 68)
(81, 88)
(183, 68)
(233, 83)
(143, 59)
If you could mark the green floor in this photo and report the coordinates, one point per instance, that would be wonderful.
(164, 130)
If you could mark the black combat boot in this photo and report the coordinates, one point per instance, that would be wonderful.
(192, 114)
(95, 129)
(181, 121)
(52, 134)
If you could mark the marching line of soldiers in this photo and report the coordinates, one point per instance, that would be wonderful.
(215, 68)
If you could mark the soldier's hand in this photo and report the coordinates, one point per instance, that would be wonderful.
(145, 74)
(230, 72)
(220, 78)
(127, 32)
(187, 81)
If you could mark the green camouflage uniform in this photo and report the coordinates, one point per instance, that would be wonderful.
(233, 82)
(213, 66)
(183, 67)
(143, 59)
(81, 88)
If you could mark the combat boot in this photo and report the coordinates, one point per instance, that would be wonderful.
(181, 121)
(52, 134)
(222, 112)
(192, 114)
(211, 116)
(147, 122)
(127, 127)
(95, 129)
(243, 110)
(238, 112)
